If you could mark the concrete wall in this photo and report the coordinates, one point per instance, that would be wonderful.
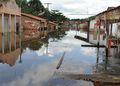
(92, 23)
(28, 19)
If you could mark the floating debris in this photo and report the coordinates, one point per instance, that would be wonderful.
(60, 62)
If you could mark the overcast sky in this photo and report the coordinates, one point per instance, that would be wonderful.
(79, 8)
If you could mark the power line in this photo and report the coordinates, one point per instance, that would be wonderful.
(81, 14)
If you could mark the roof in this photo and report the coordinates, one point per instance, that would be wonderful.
(52, 23)
(108, 10)
(9, 7)
(33, 17)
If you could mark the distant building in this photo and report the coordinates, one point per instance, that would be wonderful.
(10, 16)
(52, 26)
(32, 22)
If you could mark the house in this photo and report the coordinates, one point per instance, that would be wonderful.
(83, 26)
(10, 18)
(108, 23)
(110, 19)
(32, 22)
(52, 26)
(35, 27)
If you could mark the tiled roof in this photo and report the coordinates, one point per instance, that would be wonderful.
(34, 17)
(52, 23)
(37, 18)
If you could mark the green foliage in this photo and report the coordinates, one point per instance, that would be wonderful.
(33, 45)
(57, 35)
(85, 19)
(58, 17)
(35, 7)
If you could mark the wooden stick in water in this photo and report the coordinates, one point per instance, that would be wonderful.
(60, 62)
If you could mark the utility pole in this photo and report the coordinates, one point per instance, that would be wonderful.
(48, 5)
(47, 25)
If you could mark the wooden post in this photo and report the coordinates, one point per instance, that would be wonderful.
(88, 33)
(15, 31)
(107, 27)
(99, 24)
(10, 32)
(3, 46)
(99, 36)
(20, 31)
(106, 49)
(111, 29)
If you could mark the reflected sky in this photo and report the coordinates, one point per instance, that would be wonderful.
(38, 66)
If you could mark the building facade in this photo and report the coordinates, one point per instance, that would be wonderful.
(35, 27)
(10, 18)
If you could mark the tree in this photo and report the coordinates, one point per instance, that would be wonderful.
(35, 7)
(58, 17)
(23, 4)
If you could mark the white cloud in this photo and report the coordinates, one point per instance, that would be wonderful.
(64, 45)
(78, 7)
(39, 75)
(88, 52)
(36, 76)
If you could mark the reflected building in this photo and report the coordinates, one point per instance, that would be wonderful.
(109, 65)
(11, 57)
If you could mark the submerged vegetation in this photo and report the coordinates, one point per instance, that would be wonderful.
(57, 35)
(37, 44)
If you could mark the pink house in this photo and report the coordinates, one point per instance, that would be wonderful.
(10, 17)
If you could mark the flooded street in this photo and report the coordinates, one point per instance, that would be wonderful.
(34, 64)
(59, 43)
(37, 67)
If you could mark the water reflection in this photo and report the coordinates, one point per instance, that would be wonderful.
(10, 48)
(35, 61)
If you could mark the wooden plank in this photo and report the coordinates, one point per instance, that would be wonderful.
(82, 39)
(100, 46)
